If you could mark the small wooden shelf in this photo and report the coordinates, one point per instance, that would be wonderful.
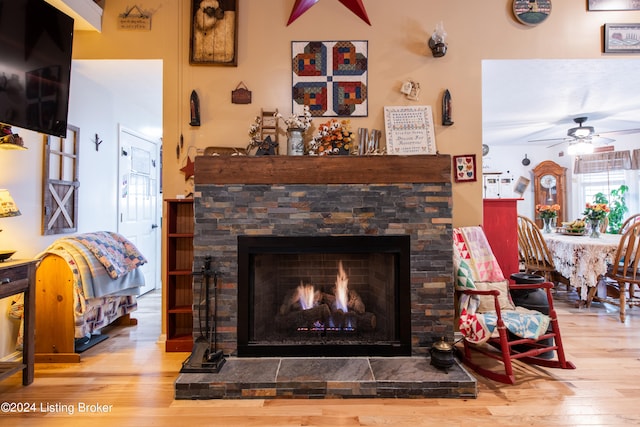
(179, 275)
(180, 309)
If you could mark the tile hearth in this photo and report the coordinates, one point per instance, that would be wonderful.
(331, 377)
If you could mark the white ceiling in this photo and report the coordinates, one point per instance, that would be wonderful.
(538, 99)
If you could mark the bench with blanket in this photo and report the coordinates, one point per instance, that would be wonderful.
(84, 282)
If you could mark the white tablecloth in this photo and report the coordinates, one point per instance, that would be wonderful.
(582, 259)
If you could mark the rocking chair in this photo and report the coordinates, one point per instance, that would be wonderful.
(489, 320)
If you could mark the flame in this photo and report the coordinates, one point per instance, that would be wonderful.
(306, 296)
(342, 291)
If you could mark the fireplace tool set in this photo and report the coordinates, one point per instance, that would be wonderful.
(205, 357)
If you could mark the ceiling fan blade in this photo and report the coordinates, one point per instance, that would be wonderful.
(558, 143)
(603, 139)
(618, 132)
(551, 139)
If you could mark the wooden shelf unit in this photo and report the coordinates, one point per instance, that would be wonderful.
(179, 275)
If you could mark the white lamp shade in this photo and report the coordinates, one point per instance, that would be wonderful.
(581, 147)
(7, 206)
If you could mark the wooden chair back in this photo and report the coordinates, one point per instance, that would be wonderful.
(536, 256)
(629, 221)
(627, 261)
(625, 270)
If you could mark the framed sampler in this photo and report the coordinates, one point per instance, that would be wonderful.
(409, 130)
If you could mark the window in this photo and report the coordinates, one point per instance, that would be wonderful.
(604, 172)
(603, 182)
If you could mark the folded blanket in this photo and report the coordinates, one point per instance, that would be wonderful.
(474, 262)
(116, 253)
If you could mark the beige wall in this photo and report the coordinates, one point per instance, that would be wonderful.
(397, 50)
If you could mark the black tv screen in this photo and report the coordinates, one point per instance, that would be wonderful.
(35, 66)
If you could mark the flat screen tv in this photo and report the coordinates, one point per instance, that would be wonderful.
(35, 66)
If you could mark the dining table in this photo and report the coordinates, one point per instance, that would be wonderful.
(582, 259)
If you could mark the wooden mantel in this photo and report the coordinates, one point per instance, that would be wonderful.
(322, 170)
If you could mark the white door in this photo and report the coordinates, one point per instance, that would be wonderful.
(139, 171)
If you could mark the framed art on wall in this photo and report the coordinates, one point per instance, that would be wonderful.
(622, 38)
(214, 32)
(330, 77)
(613, 5)
(521, 186)
(464, 168)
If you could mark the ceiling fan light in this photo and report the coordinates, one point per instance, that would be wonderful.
(582, 147)
(580, 132)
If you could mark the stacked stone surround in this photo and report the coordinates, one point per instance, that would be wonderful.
(278, 196)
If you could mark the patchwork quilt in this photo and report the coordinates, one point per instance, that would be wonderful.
(117, 254)
(474, 262)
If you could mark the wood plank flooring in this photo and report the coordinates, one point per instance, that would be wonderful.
(131, 380)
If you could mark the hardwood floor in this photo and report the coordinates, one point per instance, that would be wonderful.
(131, 378)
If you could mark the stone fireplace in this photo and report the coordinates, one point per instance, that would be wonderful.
(282, 196)
(282, 232)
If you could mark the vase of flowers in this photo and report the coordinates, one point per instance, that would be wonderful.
(297, 126)
(333, 138)
(594, 213)
(548, 214)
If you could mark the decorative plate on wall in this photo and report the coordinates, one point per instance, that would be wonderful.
(531, 12)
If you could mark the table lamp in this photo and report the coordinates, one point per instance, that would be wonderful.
(7, 208)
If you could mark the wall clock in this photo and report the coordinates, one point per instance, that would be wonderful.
(531, 12)
(549, 187)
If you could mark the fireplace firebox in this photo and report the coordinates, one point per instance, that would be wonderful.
(324, 296)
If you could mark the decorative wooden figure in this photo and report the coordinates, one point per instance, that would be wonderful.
(195, 109)
(446, 108)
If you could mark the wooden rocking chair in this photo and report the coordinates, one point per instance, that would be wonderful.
(490, 321)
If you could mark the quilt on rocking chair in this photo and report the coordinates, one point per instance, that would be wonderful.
(476, 268)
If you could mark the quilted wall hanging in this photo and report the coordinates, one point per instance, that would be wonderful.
(330, 77)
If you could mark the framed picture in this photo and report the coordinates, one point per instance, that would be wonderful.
(622, 38)
(214, 32)
(409, 130)
(613, 5)
(521, 186)
(330, 77)
(464, 168)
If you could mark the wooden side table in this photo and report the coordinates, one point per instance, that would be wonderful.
(16, 277)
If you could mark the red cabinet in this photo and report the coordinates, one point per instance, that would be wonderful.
(500, 223)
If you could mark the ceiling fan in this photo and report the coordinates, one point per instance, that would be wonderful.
(584, 135)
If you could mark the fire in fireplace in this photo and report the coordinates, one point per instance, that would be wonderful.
(324, 295)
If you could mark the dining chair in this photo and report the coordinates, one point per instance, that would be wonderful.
(536, 255)
(629, 221)
(490, 321)
(625, 271)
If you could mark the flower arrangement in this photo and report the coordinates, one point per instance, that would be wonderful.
(302, 122)
(333, 137)
(547, 211)
(254, 133)
(596, 211)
